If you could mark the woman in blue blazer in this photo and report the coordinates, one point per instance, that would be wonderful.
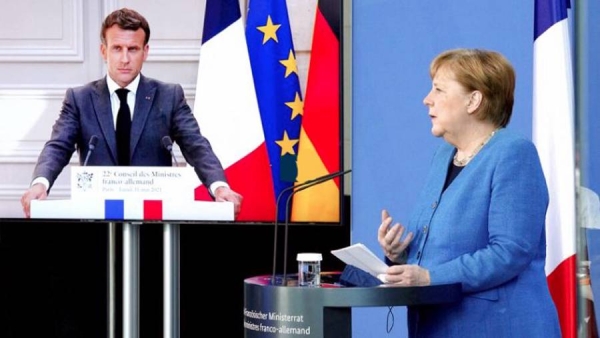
(480, 219)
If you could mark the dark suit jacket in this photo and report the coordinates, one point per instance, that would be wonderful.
(160, 110)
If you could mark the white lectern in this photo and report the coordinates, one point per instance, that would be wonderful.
(134, 195)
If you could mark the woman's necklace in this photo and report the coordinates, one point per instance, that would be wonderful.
(464, 161)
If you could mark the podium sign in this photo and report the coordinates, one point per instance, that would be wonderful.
(133, 182)
(133, 194)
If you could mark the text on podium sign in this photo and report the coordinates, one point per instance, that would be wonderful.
(133, 182)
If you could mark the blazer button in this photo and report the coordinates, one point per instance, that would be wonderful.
(434, 205)
(425, 228)
(419, 255)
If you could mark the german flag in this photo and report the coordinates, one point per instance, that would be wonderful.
(319, 143)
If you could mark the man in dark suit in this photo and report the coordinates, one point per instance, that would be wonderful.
(53, 276)
(157, 110)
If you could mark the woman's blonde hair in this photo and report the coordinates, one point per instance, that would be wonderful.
(488, 72)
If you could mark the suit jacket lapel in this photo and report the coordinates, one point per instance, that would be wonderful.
(102, 106)
(143, 102)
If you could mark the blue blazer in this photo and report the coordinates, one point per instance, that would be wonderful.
(160, 110)
(486, 231)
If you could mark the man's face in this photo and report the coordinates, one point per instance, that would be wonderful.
(124, 53)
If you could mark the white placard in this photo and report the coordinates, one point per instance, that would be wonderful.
(133, 182)
(95, 209)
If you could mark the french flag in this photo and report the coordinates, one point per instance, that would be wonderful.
(553, 134)
(227, 111)
(148, 210)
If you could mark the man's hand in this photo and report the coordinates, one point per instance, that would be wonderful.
(35, 192)
(225, 194)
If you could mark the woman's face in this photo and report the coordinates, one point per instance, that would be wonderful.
(448, 104)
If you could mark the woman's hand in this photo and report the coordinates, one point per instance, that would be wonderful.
(407, 275)
(390, 238)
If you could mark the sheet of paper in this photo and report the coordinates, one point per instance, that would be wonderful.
(361, 257)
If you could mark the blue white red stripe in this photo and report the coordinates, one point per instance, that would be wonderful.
(226, 108)
(553, 134)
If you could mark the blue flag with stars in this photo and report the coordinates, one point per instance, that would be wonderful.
(275, 72)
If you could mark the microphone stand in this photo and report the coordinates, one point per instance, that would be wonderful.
(296, 189)
(171, 267)
(91, 146)
(168, 144)
(273, 281)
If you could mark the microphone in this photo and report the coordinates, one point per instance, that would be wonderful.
(91, 147)
(296, 188)
(168, 144)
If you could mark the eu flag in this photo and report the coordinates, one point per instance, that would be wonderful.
(275, 73)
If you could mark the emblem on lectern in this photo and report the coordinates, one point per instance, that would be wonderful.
(84, 180)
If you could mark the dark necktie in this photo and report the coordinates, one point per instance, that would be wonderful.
(123, 128)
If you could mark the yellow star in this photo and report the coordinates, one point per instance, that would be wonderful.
(287, 145)
(297, 106)
(270, 30)
(290, 64)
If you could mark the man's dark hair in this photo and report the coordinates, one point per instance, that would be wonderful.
(128, 19)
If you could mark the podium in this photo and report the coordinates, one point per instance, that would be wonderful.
(132, 196)
(276, 311)
(164, 194)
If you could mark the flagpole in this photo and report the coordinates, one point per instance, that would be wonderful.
(580, 110)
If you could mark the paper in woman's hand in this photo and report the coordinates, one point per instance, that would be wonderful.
(361, 257)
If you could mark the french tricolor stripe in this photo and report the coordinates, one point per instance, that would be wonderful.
(553, 134)
(153, 210)
(226, 108)
(114, 209)
(148, 210)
